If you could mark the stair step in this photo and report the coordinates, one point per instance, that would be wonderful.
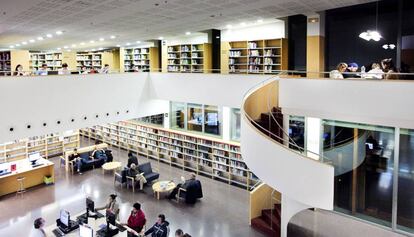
(260, 225)
(278, 208)
(267, 217)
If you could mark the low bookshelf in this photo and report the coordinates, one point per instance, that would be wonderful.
(207, 156)
(195, 58)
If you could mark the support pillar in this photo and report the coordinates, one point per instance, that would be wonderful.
(315, 45)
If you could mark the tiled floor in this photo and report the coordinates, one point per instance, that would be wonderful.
(222, 212)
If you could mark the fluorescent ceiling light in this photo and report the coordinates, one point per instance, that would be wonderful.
(17, 45)
(370, 35)
(65, 47)
(59, 48)
(112, 37)
(392, 46)
(229, 26)
(32, 40)
(128, 43)
(188, 33)
(101, 48)
(59, 32)
(138, 42)
(49, 35)
(160, 38)
(82, 43)
(385, 46)
(11, 46)
(40, 38)
(118, 45)
(260, 21)
(92, 41)
(24, 42)
(243, 24)
(73, 45)
(101, 39)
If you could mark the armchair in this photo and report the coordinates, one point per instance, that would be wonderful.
(121, 177)
(148, 172)
(191, 193)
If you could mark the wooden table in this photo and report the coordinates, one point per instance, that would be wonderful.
(111, 166)
(33, 175)
(163, 187)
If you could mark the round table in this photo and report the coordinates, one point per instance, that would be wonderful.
(163, 187)
(111, 166)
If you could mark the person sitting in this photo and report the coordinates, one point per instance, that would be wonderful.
(389, 69)
(111, 205)
(134, 172)
(136, 220)
(351, 71)
(64, 70)
(98, 153)
(192, 187)
(75, 157)
(186, 235)
(375, 72)
(160, 228)
(179, 233)
(132, 159)
(105, 69)
(337, 74)
(38, 230)
(43, 70)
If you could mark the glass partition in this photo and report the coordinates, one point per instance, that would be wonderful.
(157, 119)
(212, 119)
(235, 122)
(177, 115)
(363, 158)
(405, 203)
(297, 132)
(195, 118)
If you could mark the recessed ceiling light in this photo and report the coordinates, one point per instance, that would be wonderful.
(160, 38)
(49, 35)
(92, 41)
(101, 39)
(65, 47)
(59, 48)
(73, 45)
(24, 42)
(82, 43)
(229, 26)
(100, 48)
(138, 42)
(40, 38)
(17, 45)
(11, 46)
(243, 24)
(32, 40)
(128, 43)
(112, 37)
(188, 33)
(59, 32)
(260, 21)
(118, 45)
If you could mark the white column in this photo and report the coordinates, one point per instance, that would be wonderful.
(226, 123)
(313, 137)
(289, 208)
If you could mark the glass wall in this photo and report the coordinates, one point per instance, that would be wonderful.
(297, 132)
(405, 203)
(363, 157)
(235, 122)
(195, 117)
(212, 124)
(177, 115)
(157, 119)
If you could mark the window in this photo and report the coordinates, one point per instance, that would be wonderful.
(195, 117)
(212, 120)
(177, 115)
(157, 119)
(235, 122)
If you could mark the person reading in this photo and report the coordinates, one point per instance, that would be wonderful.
(134, 172)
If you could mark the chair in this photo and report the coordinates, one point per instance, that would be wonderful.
(149, 174)
(190, 194)
(20, 188)
(120, 177)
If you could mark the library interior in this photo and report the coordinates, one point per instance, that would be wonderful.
(180, 118)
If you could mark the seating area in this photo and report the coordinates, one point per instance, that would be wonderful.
(88, 161)
(144, 169)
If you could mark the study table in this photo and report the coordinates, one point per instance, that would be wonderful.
(23, 168)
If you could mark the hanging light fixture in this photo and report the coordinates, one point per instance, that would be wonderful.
(372, 34)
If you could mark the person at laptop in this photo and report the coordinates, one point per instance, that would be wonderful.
(111, 205)
(38, 230)
(132, 159)
(136, 220)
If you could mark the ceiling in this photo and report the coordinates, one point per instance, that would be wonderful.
(132, 20)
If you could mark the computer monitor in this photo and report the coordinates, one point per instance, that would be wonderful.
(64, 218)
(85, 231)
(34, 157)
(110, 217)
(90, 205)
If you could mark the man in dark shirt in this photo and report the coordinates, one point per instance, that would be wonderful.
(132, 159)
(188, 184)
(75, 158)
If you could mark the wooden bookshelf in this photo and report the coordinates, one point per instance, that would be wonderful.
(194, 58)
(146, 59)
(47, 145)
(5, 63)
(257, 56)
(89, 60)
(52, 59)
(210, 157)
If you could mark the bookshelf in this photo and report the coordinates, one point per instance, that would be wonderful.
(257, 56)
(210, 157)
(89, 60)
(5, 63)
(145, 59)
(47, 145)
(52, 59)
(194, 58)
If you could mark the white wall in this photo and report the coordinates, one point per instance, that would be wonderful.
(388, 103)
(197, 38)
(274, 30)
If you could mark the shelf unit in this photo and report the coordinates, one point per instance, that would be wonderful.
(205, 156)
(258, 56)
(5, 63)
(139, 57)
(47, 145)
(89, 60)
(195, 58)
(52, 59)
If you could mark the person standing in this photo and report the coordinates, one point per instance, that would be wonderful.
(132, 159)
(111, 205)
(38, 230)
(64, 70)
